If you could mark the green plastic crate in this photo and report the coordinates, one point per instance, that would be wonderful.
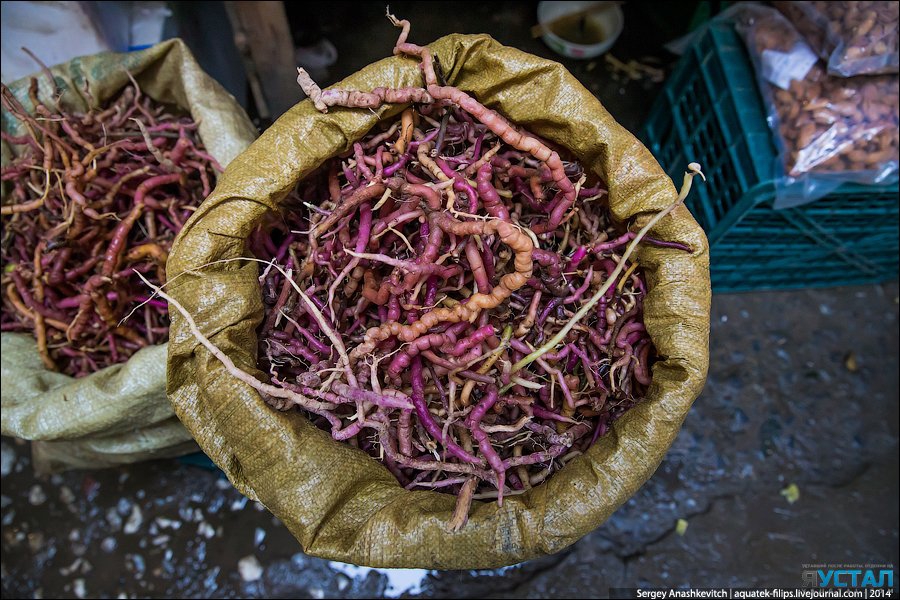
(710, 111)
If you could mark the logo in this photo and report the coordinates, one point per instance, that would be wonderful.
(848, 576)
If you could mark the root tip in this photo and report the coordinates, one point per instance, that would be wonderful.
(394, 20)
(695, 168)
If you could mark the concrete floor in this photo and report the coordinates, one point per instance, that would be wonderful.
(647, 28)
(780, 407)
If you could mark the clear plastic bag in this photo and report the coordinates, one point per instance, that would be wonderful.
(830, 130)
(855, 38)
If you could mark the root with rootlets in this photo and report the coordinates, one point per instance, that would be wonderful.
(92, 197)
(490, 329)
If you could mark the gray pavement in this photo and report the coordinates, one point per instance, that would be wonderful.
(780, 407)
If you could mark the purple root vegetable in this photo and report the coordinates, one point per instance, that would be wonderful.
(129, 174)
(434, 296)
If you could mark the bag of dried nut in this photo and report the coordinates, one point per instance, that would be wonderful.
(829, 130)
(854, 38)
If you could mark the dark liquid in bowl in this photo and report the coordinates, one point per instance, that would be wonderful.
(581, 30)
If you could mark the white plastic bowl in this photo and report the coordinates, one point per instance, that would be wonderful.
(610, 20)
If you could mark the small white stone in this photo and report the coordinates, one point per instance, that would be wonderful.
(259, 536)
(168, 523)
(317, 593)
(66, 571)
(36, 495)
(138, 564)
(249, 568)
(66, 495)
(113, 518)
(123, 506)
(135, 519)
(206, 530)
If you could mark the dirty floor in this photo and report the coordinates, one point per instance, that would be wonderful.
(788, 457)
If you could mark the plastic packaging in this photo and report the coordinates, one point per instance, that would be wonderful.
(829, 130)
(855, 38)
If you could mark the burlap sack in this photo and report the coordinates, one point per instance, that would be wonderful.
(338, 502)
(119, 414)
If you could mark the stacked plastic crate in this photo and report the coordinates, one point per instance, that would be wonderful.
(710, 111)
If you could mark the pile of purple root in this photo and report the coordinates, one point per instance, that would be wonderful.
(423, 275)
(90, 199)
